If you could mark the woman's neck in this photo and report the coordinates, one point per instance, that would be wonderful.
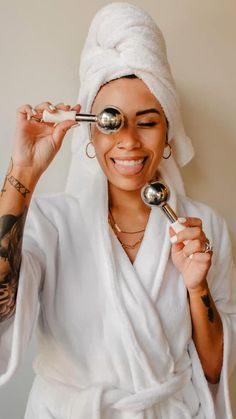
(126, 201)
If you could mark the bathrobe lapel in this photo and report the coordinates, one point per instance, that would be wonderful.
(153, 254)
(139, 307)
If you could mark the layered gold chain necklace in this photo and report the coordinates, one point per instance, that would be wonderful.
(117, 229)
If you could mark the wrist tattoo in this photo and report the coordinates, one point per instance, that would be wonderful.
(11, 234)
(18, 186)
(207, 303)
(15, 183)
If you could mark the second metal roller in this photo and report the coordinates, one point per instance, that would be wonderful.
(156, 193)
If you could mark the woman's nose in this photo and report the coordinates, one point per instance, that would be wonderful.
(127, 138)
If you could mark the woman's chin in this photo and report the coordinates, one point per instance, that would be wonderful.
(128, 185)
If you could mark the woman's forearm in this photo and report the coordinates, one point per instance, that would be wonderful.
(15, 197)
(207, 332)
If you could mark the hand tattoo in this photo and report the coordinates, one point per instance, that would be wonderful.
(11, 234)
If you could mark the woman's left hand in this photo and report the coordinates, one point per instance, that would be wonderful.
(191, 259)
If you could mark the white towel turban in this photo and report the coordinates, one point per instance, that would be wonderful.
(123, 39)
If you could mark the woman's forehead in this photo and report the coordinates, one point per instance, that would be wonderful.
(125, 93)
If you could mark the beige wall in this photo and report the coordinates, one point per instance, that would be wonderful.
(40, 46)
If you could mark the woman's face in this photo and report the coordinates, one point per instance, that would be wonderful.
(130, 157)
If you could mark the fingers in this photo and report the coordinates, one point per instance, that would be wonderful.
(191, 240)
(24, 112)
(192, 231)
(44, 106)
(201, 257)
(191, 222)
(188, 233)
(76, 108)
(63, 106)
(60, 130)
(194, 246)
(27, 112)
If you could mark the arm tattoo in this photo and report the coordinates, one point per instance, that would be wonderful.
(207, 302)
(11, 234)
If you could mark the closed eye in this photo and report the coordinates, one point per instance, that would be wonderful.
(147, 124)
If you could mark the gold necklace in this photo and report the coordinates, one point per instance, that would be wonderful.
(119, 229)
(125, 245)
(130, 246)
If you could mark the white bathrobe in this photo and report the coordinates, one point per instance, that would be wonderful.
(114, 337)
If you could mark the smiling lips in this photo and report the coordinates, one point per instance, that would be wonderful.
(129, 166)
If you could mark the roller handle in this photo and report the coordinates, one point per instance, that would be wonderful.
(175, 224)
(58, 116)
(177, 227)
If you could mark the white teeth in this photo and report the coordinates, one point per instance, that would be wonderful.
(129, 162)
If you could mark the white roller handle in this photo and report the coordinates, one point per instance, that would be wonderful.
(58, 116)
(177, 227)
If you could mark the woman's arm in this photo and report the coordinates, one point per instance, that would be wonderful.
(207, 332)
(15, 198)
(194, 263)
(36, 144)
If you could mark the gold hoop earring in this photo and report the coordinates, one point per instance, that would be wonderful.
(86, 150)
(169, 153)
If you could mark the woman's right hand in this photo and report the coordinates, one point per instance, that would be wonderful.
(36, 143)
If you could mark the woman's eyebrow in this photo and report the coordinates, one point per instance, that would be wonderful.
(151, 110)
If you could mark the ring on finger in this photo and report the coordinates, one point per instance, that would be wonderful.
(207, 247)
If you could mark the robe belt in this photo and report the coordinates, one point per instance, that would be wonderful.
(147, 398)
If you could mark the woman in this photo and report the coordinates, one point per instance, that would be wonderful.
(135, 321)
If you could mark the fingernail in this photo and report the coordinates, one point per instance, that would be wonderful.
(28, 117)
(52, 107)
(173, 239)
(76, 125)
(191, 256)
(33, 111)
(182, 220)
(54, 125)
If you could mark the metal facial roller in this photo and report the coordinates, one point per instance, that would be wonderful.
(157, 193)
(110, 119)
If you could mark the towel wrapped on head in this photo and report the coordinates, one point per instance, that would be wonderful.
(122, 40)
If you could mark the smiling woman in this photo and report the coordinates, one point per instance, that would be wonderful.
(130, 157)
(135, 320)
(143, 136)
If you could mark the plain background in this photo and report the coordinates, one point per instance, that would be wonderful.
(40, 48)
